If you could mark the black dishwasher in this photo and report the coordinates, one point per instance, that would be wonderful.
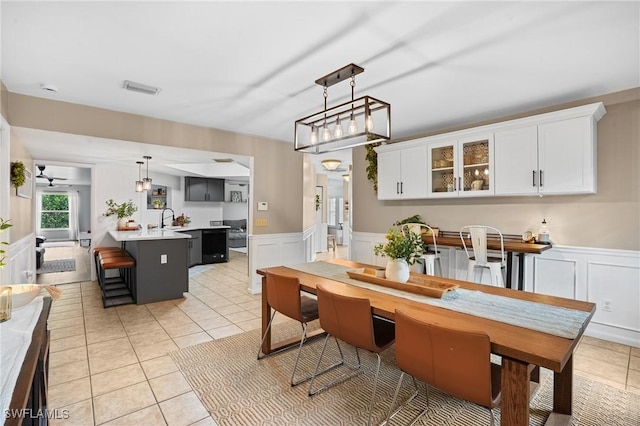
(215, 245)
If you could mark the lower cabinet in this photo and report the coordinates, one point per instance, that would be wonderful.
(195, 247)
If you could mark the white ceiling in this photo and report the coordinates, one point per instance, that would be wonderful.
(250, 67)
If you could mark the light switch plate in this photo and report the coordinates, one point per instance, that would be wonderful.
(163, 258)
(261, 222)
(263, 206)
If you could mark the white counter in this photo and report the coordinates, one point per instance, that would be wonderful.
(147, 234)
(195, 228)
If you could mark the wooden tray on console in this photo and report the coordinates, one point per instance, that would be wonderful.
(425, 286)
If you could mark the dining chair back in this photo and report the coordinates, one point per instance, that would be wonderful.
(455, 361)
(479, 258)
(431, 258)
(283, 295)
(351, 320)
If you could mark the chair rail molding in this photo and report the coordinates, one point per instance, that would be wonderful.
(610, 278)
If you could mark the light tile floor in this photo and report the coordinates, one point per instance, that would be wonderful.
(112, 366)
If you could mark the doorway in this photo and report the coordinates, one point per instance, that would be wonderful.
(62, 206)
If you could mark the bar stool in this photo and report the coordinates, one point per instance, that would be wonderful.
(430, 258)
(479, 258)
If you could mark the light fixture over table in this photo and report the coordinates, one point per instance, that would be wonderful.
(330, 164)
(146, 182)
(368, 119)
(139, 182)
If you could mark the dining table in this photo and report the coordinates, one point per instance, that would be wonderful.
(519, 347)
(512, 245)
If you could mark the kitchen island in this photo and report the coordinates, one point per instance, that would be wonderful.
(162, 264)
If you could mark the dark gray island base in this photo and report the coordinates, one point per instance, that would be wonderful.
(162, 264)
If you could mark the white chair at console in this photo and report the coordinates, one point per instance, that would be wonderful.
(479, 257)
(431, 258)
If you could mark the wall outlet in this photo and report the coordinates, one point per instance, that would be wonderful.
(261, 222)
(606, 305)
(163, 258)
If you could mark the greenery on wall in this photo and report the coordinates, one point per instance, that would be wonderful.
(372, 167)
(17, 174)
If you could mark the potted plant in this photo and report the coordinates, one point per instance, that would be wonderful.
(416, 218)
(403, 248)
(4, 224)
(157, 203)
(121, 211)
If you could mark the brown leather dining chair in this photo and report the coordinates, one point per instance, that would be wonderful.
(452, 360)
(351, 320)
(283, 295)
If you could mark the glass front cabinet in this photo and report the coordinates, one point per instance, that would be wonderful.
(461, 168)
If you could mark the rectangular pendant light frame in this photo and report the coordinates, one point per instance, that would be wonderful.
(360, 108)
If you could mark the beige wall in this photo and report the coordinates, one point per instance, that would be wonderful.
(21, 208)
(608, 219)
(278, 169)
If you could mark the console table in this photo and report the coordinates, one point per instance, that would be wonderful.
(30, 392)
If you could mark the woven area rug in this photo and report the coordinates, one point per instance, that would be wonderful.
(237, 389)
(61, 265)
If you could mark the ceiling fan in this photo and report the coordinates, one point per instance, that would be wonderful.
(51, 185)
(41, 167)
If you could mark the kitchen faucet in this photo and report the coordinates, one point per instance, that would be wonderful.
(173, 216)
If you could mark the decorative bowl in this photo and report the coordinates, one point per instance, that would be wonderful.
(21, 294)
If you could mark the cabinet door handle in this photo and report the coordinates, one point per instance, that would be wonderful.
(455, 184)
(397, 187)
(401, 189)
(534, 177)
(460, 183)
(541, 178)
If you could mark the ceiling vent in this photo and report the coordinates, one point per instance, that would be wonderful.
(140, 88)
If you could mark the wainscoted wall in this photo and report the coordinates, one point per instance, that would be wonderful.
(609, 278)
(20, 262)
(278, 249)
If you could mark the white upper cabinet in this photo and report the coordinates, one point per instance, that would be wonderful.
(567, 156)
(552, 153)
(461, 168)
(517, 161)
(551, 158)
(402, 173)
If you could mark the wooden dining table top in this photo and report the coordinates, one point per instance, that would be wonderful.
(520, 343)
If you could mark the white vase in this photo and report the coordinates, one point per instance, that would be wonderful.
(397, 270)
(122, 223)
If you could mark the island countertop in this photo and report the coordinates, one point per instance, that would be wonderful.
(147, 234)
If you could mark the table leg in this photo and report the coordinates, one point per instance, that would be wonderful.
(509, 284)
(266, 315)
(515, 392)
(521, 271)
(562, 395)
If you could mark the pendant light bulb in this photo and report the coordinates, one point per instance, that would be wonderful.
(326, 134)
(353, 126)
(314, 135)
(146, 182)
(337, 132)
(139, 183)
(368, 124)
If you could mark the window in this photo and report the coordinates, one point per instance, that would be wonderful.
(55, 211)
